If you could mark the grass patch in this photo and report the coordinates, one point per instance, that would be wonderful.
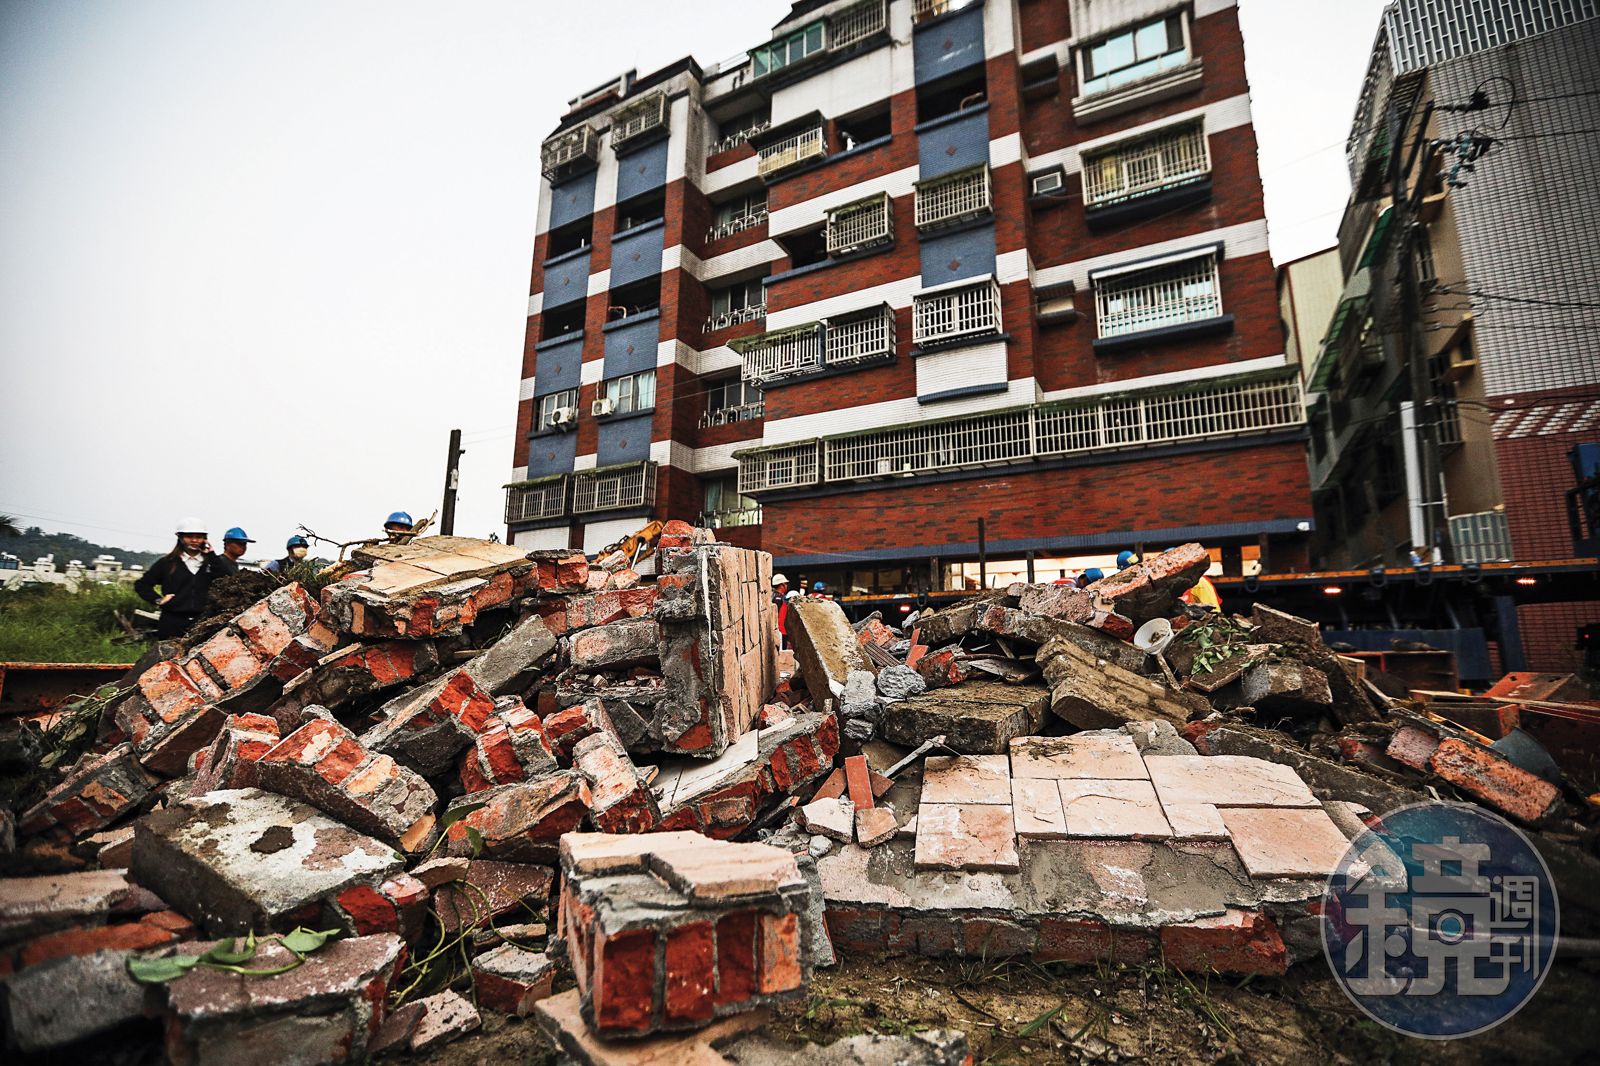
(49, 624)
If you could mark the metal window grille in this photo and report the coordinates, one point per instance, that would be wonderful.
(1146, 165)
(638, 118)
(730, 519)
(1025, 434)
(927, 9)
(788, 467)
(569, 147)
(953, 198)
(726, 416)
(737, 224)
(738, 137)
(1163, 296)
(791, 151)
(861, 337)
(863, 224)
(545, 499)
(1483, 537)
(856, 23)
(735, 317)
(607, 490)
(784, 353)
(972, 310)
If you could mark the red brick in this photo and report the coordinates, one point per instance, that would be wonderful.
(691, 972)
(780, 953)
(1088, 941)
(369, 911)
(858, 781)
(1240, 942)
(736, 957)
(1412, 746)
(1494, 780)
(624, 981)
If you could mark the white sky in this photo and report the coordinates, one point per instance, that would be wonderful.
(257, 260)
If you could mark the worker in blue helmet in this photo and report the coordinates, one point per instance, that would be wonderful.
(235, 542)
(398, 527)
(1126, 559)
(295, 551)
(1090, 576)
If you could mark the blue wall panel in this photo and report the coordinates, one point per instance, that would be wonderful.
(631, 344)
(571, 200)
(641, 171)
(966, 254)
(638, 255)
(624, 440)
(953, 143)
(552, 453)
(557, 365)
(566, 280)
(949, 45)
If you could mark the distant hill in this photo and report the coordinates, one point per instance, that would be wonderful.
(34, 542)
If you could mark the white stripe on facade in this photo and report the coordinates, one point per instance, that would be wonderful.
(1246, 238)
(873, 416)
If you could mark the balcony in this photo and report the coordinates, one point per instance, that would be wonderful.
(923, 10)
(643, 116)
(791, 151)
(845, 341)
(1145, 166)
(861, 225)
(1028, 434)
(781, 354)
(736, 317)
(861, 338)
(856, 23)
(565, 151)
(956, 313)
(738, 137)
(534, 500)
(1159, 297)
(730, 519)
(727, 416)
(953, 198)
(737, 224)
(614, 488)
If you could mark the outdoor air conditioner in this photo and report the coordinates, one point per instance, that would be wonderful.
(603, 406)
(1047, 182)
(563, 416)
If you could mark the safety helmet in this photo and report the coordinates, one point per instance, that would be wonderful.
(779, 579)
(191, 524)
(1124, 560)
(399, 518)
(298, 541)
(819, 586)
(239, 535)
(1093, 574)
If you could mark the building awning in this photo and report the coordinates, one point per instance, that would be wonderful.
(1379, 239)
(1357, 294)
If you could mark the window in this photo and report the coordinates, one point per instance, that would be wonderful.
(953, 198)
(805, 247)
(863, 126)
(1427, 275)
(565, 402)
(632, 392)
(1158, 297)
(639, 298)
(1170, 157)
(952, 95)
(864, 224)
(786, 51)
(738, 214)
(738, 296)
(570, 238)
(1135, 54)
(732, 400)
(560, 321)
(734, 131)
(725, 508)
(641, 210)
(967, 310)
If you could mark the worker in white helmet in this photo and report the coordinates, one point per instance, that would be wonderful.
(780, 596)
(184, 577)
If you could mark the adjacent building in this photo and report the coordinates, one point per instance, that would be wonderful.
(915, 290)
(1458, 383)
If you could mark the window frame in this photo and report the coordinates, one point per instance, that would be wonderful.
(549, 403)
(625, 393)
(788, 43)
(745, 288)
(1085, 62)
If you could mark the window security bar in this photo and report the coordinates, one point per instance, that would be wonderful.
(606, 490)
(730, 519)
(736, 317)
(1026, 434)
(738, 137)
(785, 353)
(1146, 165)
(637, 119)
(856, 23)
(927, 9)
(569, 147)
(861, 338)
(953, 198)
(973, 310)
(863, 224)
(527, 503)
(727, 416)
(1164, 296)
(791, 151)
(736, 225)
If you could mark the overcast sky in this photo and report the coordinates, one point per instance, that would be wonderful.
(258, 259)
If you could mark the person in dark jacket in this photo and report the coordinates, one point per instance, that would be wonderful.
(294, 552)
(184, 576)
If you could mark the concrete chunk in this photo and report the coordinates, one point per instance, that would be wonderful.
(825, 649)
(977, 718)
(66, 999)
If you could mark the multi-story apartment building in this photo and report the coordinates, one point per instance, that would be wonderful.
(914, 280)
(1462, 365)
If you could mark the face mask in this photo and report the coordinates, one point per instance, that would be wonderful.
(298, 553)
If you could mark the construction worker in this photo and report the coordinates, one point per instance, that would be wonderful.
(294, 551)
(1090, 576)
(1126, 559)
(397, 527)
(780, 596)
(1204, 593)
(819, 590)
(184, 576)
(235, 542)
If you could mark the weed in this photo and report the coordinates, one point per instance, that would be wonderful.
(50, 624)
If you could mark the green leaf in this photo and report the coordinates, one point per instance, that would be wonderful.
(455, 814)
(305, 941)
(158, 971)
(475, 838)
(228, 957)
(1040, 1022)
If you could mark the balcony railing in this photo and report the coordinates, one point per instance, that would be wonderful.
(951, 314)
(737, 224)
(546, 498)
(864, 224)
(730, 519)
(1154, 299)
(736, 317)
(927, 9)
(1031, 433)
(953, 198)
(609, 490)
(578, 144)
(785, 353)
(738, 137)
(638, 118)
(1149, 164)
(727, 416)
(857, 22)
(861, 338)
(791, 151)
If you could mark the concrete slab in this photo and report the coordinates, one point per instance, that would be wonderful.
(978, 717)
(1227, 781)
(966, 836)
(966, 779)
(1090, 756)
(1195, 821)
(1285, 842)
(1036, 808)
(1125, 810)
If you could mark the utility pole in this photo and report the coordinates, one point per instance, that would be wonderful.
(452, 478)
(983, 558)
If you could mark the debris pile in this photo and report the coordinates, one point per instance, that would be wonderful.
(468, 767)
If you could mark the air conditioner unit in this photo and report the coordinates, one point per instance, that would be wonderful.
(563, 416)
(603, 406)
(1049, 181)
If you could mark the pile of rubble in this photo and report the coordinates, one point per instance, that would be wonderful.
(464, 767)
